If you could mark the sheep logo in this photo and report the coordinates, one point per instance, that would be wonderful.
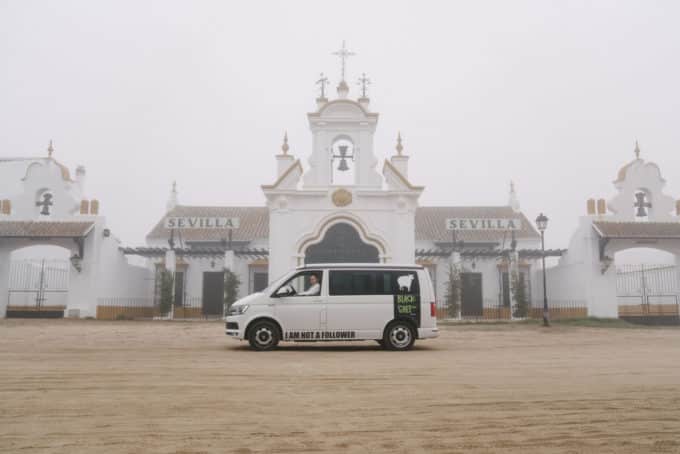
(405, 283)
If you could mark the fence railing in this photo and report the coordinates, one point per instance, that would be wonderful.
(37, 274)
(492, 310)
(648, 292)
(127, 308)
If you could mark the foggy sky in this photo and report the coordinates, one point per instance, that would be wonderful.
(550, 94)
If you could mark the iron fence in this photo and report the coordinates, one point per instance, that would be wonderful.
(38, 285)
(491, 309)
(131, 308)
(648, 293)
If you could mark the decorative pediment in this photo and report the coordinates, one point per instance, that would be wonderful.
(342, 108)
(288, 180)
(48, 192)
(396, 181)
(640, 194)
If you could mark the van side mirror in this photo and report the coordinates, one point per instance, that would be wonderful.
(286, 290)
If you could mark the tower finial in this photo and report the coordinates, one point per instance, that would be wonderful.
(637, 150)
(50, 149)
(513, 200)
(399, 146)
(285, 147)
(363, 82)
(343, 53)
(322, 82)
(173, 199)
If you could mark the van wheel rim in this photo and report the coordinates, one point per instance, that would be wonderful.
(400, 336)
(263, 336)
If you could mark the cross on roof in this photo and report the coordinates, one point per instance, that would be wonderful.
(343, 53)
(641, 204)
(322, 82)
(364, 81)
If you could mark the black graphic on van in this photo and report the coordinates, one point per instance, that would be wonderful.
(407, 298)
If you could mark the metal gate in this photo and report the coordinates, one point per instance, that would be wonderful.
(648, 293)
(38, 288)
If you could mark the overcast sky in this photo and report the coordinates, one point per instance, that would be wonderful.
(550, 94)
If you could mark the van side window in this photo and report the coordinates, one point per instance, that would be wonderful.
(372, 282)
(357, 282)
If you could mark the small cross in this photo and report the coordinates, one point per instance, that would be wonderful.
(364, 81)
(46, 203)
(322, 82)
(641, 204)
(343, 53)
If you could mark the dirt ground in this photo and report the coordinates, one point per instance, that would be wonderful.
(183, 387)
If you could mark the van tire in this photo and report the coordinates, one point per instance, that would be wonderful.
(399, 336)
(263, 335)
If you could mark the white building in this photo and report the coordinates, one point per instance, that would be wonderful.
(346, 207)
(639, 216)
(40, 206)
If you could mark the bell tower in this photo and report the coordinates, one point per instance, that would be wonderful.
(342, 138)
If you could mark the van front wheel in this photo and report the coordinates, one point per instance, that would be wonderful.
(399, 336)
(263, 336)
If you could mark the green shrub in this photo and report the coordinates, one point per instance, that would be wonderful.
(167, 288)
(231, 285)
(453, 290)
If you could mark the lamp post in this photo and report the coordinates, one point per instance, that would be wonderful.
(542, 224)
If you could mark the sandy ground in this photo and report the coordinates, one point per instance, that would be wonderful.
(107, 387)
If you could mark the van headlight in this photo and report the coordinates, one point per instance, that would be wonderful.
(238, 309)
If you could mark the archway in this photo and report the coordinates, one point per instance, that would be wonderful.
(38, 281)
(342, 243)
(647, 285)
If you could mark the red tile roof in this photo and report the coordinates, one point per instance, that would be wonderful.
(254, 223)
(44, 229)
(429, 222)
(638, 230)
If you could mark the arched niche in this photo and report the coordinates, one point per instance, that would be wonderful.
(341, 243)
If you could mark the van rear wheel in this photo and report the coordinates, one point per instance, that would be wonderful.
(263, 336)
(399, 336)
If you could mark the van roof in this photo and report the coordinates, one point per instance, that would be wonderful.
(362, 265)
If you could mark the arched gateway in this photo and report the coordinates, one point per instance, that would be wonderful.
(342, 243)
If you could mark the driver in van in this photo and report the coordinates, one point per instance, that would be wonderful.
(314, 287)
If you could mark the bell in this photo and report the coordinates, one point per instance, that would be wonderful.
(343, 150)
(343, 165)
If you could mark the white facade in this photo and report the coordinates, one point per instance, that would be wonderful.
(639, 215)
(42, 205)
(345, 203)
(303, 207)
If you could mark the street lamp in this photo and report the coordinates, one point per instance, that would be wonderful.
(542, 224)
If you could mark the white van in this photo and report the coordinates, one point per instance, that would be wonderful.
(392, 304)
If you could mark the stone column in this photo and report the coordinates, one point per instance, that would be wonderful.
(513, 276)
(229, 262)
(5, 254)
(456, 262)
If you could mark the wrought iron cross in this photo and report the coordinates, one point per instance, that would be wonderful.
(364, 81)
(322, 82)
(343, 53)
(641, 204)
(46, 203)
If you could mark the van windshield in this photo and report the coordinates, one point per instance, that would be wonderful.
(276, 282)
